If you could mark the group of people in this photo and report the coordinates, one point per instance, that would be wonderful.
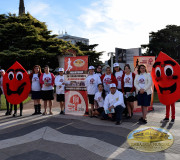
(113, 94)
(110, 94)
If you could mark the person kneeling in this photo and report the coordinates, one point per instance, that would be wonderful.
(114, 105)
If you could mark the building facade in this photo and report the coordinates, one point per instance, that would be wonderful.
(73, 39)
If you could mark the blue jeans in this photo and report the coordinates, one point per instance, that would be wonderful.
(117, 115)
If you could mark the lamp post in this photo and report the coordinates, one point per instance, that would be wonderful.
(111, 56)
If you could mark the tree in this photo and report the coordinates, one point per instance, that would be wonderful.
(166, 40)
(27, 40)
(89, 50)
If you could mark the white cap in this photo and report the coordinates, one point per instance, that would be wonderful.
(91, 67)
(2, 70)
(112, 85)
(116, 65)
(61, 69)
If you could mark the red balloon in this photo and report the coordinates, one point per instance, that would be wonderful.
(166, 77)
(16, 84)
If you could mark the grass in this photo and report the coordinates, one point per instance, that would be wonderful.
(3, 102)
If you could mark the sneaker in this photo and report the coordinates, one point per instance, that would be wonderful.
(118, 122)
(165, 120)
(140, 119)
(172, 121)
(44, 113)
(62, 112)
(143, 121)
(50, 113)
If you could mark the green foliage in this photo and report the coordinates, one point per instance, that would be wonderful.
(93, 56)
(166, 40)
(27, 40)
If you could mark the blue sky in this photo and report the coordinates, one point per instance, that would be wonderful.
(109, 23)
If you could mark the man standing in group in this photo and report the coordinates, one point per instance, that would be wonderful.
(114, 105)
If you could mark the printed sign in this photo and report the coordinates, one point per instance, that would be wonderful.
(79, 63)
(76, 102)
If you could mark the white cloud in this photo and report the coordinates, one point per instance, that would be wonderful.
(119, 23)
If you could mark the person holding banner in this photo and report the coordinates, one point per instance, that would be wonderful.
(128, 89)
(47, 82)
(60, 84)
(99, 100)
(143, 83)
(107, 79)
(91, 83)
(118, 74)
(114, 105)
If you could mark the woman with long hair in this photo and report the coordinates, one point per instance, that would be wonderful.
(47, 82)
(36, 88)
(128, 89)
(143, 84)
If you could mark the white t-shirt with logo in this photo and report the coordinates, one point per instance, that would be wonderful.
(59, 80)
(118, 76)
(47, 78)
(128, 80)
(141, 80)
(106, 81)
(98, 97)
(35, 83)
(91, 83)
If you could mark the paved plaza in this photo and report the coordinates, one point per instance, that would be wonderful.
(60, 137)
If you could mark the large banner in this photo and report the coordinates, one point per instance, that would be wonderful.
(76, 102)
(148, 61)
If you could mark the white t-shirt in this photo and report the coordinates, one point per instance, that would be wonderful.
(118, 76)
(99, 74)
(91, 83)
(47, 78)
(106, 81)
(128, 80)
(141, 80)
(99, 99)
(59, 80)
(35, 83)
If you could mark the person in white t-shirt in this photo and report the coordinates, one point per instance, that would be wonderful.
(60, 84)
(128, 89)
(114, 105)
(47, 82)
(99, 100)
(36, 88)
(118, 72)
(91, 83)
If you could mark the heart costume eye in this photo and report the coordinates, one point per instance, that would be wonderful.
(10, 75)
(158, 72)
(168, 70)
(19, 76)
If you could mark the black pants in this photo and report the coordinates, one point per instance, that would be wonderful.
(117, 115)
